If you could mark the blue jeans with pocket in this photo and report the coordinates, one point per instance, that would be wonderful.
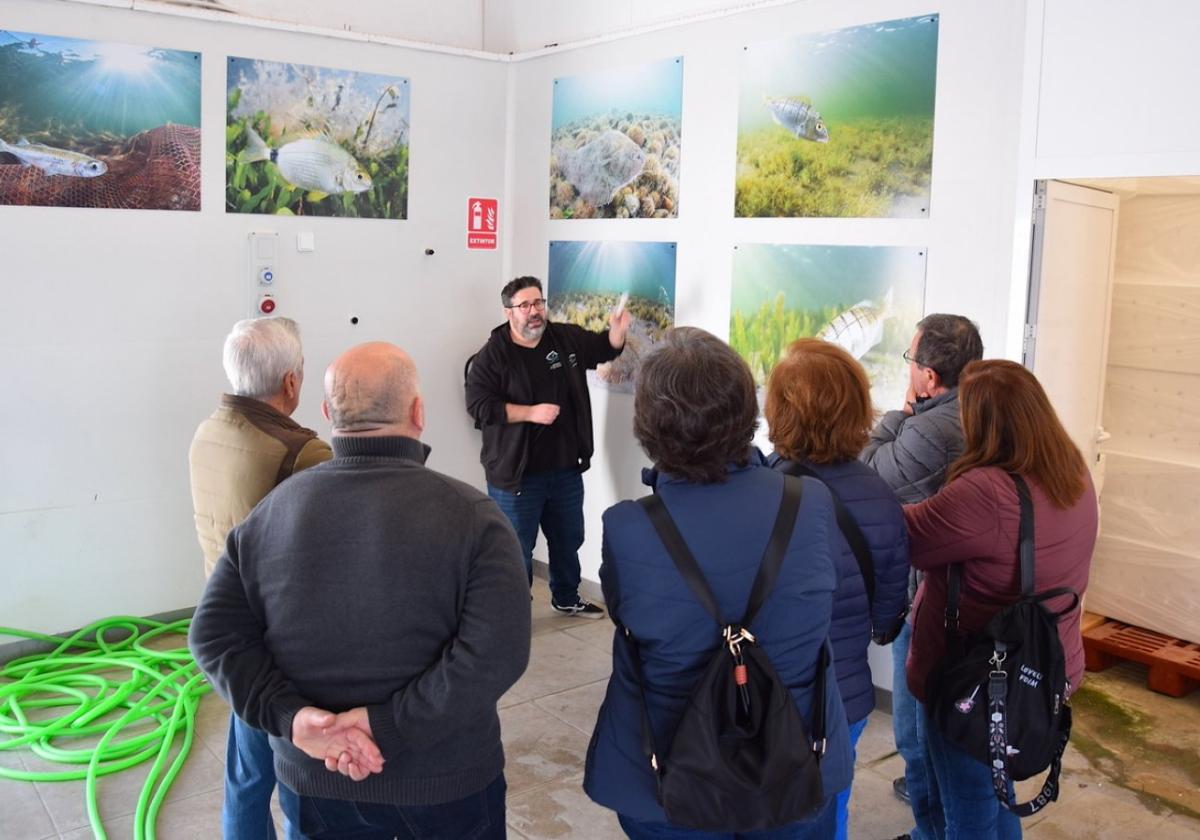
(908, 728)
(843, 798)
(249, 782)
(967, 807)
(820, 827)
(479, 816)
(553, 500)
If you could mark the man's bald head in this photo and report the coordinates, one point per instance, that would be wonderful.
(373, 389)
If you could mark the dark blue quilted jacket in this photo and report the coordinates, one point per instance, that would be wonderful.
(874, 507)
(726, 526)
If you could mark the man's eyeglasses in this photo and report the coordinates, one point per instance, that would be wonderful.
(539, 305)
(912, 360)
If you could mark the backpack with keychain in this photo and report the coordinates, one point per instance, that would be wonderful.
(1000, 694)
(741, 758)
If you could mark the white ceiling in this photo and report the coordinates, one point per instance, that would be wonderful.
(501, 26)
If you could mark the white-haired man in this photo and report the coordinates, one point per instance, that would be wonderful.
(245, 449)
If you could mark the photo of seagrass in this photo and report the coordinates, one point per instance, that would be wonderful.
(614, 143)
(314, 141)
(98, 124)
(838, 124)
(865, 299)
(588, 280)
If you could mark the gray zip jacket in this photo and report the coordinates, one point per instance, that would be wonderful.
(913, 452)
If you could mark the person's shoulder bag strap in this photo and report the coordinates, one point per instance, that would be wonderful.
(849, 528)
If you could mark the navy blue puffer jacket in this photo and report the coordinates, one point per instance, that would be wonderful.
(726, 526)
(881, 519)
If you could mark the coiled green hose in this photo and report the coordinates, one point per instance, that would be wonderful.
(99, 687)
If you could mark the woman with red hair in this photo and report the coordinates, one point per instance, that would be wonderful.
(1009, 427)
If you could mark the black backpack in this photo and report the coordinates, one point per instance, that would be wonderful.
(1001, 694)
(741, 758)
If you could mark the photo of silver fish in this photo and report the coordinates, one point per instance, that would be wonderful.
(860, 327)
(797, 115)
(54, 161)
(311, 163)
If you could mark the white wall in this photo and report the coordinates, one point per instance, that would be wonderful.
(967, 233)
(111, 322)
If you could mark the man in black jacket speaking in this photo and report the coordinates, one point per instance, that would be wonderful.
(527, 392)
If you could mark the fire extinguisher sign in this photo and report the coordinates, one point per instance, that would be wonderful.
(482, 217)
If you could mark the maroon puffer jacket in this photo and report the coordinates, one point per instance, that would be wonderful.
(973, 521)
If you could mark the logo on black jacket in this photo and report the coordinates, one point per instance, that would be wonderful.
(553, 358)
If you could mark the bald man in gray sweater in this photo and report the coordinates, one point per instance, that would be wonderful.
(368, 614)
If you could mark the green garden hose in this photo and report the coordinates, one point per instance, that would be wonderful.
(88, 686)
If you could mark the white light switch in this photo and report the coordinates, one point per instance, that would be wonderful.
(306, 242)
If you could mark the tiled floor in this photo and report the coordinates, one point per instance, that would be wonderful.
(547, 719)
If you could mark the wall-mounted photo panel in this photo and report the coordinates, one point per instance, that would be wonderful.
(312, 141)
(865, 299)
(838, 124)
(587, 280)
(98, 124)
(614, 143)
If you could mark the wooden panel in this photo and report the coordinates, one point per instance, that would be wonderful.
(1153, 414)
(1158, 236)
(1146, 586)
(1156, 328)
(1153, 502)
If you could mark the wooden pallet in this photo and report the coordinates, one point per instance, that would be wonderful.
(1174, 664)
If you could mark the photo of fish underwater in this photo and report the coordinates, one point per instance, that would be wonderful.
(98, 124)
(313, 141)
(865, 299)
(588, 280)
(839, 124)
(614, 143)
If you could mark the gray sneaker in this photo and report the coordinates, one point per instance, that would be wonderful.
(580, 609)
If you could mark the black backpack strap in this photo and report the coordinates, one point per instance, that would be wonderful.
(681, 555)
(1024, 556)
(1025, 547)
(849, 528)
(768, 570)
(998, 750)
(819, 704)
(635, 657)
(781, 536)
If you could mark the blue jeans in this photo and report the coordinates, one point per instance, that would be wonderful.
(843, 798)
(553, 500)
(820, 827)
(479, 816)
(249, 781)
(967, 808)
(908, 729)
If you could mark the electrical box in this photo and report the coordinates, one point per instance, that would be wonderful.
(262, 291)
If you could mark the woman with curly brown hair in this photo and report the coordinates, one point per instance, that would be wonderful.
(695, 414)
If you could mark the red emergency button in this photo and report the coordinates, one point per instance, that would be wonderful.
(266, 305)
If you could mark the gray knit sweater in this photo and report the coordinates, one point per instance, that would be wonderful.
(372, 581)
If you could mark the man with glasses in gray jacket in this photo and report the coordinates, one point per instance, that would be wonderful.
(912, 448)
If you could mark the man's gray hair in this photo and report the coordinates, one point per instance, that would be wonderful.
(259, 352)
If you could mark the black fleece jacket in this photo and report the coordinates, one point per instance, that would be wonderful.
(497, 375)
(373, 581)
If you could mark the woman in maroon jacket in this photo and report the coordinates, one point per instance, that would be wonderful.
(1008, 426)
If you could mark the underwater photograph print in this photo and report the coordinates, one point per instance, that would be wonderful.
(588, 280)
(838, 124)
(314, 141)
(865, 299)
(98, 124)
(614, 143)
